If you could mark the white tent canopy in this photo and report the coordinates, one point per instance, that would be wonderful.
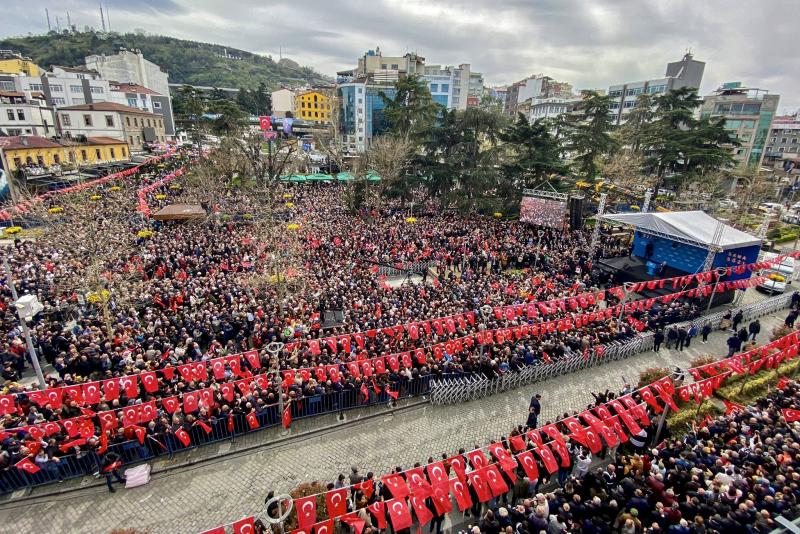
(692, 227)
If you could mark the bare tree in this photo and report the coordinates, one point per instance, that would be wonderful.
(388, 157)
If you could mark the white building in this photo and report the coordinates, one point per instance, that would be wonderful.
(283, 102)
(130, 66)
(65, 86)
(109, 119)
(549, 108)
(25, 114)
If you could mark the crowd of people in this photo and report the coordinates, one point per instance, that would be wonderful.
(193, 292)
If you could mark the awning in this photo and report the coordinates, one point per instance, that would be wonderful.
(345, 177)
(180, 212)
(691, 227)
(319, 177)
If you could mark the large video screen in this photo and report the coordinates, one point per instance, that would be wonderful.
(543, 211)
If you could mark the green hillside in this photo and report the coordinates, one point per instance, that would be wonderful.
(186, 61)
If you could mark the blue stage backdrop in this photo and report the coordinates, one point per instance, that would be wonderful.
(690, 259)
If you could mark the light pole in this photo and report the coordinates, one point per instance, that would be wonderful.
(538, 249)
(26, 307)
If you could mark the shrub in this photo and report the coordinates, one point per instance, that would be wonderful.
(651, 374)
(700, 361)
(779, 332)
(304, 490)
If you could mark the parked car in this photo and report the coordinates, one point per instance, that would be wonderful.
(778, 276)
(728, 204)
(774, 207)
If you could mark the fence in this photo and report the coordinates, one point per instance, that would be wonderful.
(452, 390)
(164, 443)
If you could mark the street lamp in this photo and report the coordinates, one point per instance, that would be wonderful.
(27, 307)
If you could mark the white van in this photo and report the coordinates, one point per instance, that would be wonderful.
(779, 275)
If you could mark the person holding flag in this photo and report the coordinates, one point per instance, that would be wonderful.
(110, 467)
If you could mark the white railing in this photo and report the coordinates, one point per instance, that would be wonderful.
(463, 388)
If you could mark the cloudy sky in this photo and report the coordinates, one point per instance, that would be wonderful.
(589, 43)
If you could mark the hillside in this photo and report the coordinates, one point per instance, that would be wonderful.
(186, 61)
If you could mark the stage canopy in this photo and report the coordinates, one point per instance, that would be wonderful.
(690, 227)
(180, 212)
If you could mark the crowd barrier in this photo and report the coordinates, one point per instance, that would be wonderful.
(453, 390)
(86, 462)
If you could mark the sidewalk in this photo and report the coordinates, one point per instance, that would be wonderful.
(219, 484)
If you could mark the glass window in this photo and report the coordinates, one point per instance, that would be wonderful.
(434, 88)
(136, 121)
(110, 121)
(40, 160)
(84, 156)
(6, 85)
(444, 88)
(10, 113)
(97, 153)
(156, 105)
(21, 114)
(87, 120)
(629, 104)
(75, 88)
(132, 102)
(36, 87)
(96, 90)
(394, 66)
(124, 152)
(383, 66)
(56, 159)
(17, 162)
(613, 105)
(56, 88)
(59, 101)
(65, 120)
(614, 93)
(113, 155)
(128, 121)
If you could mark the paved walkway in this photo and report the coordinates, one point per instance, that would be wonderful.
(226, 488)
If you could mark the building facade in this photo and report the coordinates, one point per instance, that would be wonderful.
(688, 72)
(783, 144)
(140, 97)
(12, 62)
(25, 113)
(520, 97)
(748, 114)
(130, 66)
(313, 106)
(34, 154)
(61, 86)
(362, 114)
(109, 119)
(550, 108)
(283, 101)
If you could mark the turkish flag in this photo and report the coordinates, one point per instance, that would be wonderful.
(244, 526)
(147, 411)
(416, 479)
(314, 346)
(286, 417)
(51, 428)
(218, 368)
(399, 514)
(191, 401)
(199, 372)
(477, 459)
(394, 363)
(461, 493)
(26, 465)
(344, 341)
(74, 393)
(140, 434)
(354, 522)
(170, 404)
(71, 426)
(650, 399)
(336, 501)
(228, 391)
(377, 511)
(252, 358)
(324, 527)
(405, 359)
(552, 432)
(480, 485)
(517, 443)
(501, 455)
(306, 509)
(235, 364)
(436, 473)
(359, 337)
(54, 397)
(561, 450)
(536, 438)
(333, 372)
(417, 499)
(129, 384)
(497, 484)
(397, 486)
(547, 457)
(183, 436)
(91, 393)
(380, 365)
(265, 122)
(441, 498)
(791, 415)
(108, 420)
(149, 381)
(367, 487)
(252, 420)
(216, 530)
(459, 466)
(205, 426)
(528, 463)
(615, 424)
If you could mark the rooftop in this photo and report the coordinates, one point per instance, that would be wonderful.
(131, 88)
(17, 142)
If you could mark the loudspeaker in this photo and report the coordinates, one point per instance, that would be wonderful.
(576, 213)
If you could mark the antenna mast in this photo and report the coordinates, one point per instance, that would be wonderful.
(47, 14)
(102, 18)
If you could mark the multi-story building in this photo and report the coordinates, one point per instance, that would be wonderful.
(12, 62)
(109, 119)
(25, 113)
(361, 112)
(313, 106)
(748, 114)
(783, 144)
(498, 93)
(61, 86)
(475, 89)
(375, 67)
(283, 101)
(130, 66)
(549, 108)
(440, 82)
(531, 88)
(688, 72)
(140, 97)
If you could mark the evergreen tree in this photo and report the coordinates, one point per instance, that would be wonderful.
(262, 100)
(535, 152)
(634, 131)
(245, 100)
(411, 110)
(588, 135)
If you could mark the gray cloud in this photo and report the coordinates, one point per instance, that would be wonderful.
(591, 44)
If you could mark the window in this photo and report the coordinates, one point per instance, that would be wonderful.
(40, 160)
(132, 102)
(96, 90)
(615, 93)
(17, 162)
(65, 120)
(148, 123)
(444, 88)
(56, 88)
(10, 113)
(6, 85)
(633, 91)
(136, 121)
(784, 139)
(110, 121)
(29, 161)
(21, 114)
(59, 101)
(316, 114)
(81, 76)
(36, 87)
(629, 104)
(394, 66)
(156, 105)
(434, 88)
(56, 159)
(113, 155)
(87, 120)
(97, 153)
(71, 157)
(613, 105)
(160, 124)
(84, 156)
(75, 88)
(124, 152)
(128, 121)
(383, 66)
(654, 89)
(794, 140)
(138, 140)
(78, 101)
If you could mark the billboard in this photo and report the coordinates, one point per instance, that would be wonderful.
(543, 212)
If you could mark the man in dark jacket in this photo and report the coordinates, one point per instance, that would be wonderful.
(754, 328)
(111, 464)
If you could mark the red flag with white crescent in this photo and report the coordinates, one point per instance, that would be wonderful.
(306, 509)
(461, 493)
(377, 511)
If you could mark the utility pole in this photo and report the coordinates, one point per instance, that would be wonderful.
(25, 331)
(47, 14)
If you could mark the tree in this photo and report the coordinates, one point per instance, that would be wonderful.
(588, 135)
(411, 110)
(193, 107)
(534, 152)
(246, 101)
(231, 117)
(266, 161)
(637, 121)
(262, 100)
(624, 169)
(388, 157)
(217, 95)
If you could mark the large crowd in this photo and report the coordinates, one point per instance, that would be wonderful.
(195, 300)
